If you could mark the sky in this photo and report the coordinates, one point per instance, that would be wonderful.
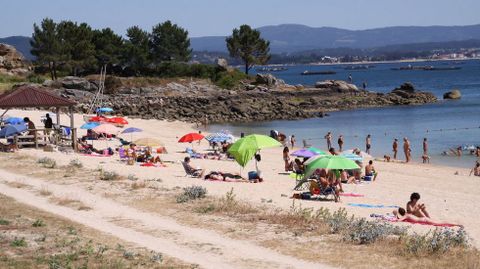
(219, 17)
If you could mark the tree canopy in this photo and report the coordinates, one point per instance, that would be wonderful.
(246, 44)
(169, 42)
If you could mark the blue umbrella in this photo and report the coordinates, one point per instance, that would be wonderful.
(105, 109)
(353, 157)
(14, 120)
(305, 153)
(89, 125)
(132, 130)
(10, 130)
(219, 137)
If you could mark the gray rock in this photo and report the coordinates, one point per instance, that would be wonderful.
(268, 80)
(454, 95)
(336, 85)
(222, 63)
(77, 83)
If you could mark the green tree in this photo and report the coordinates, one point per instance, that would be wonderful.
(46, 45)
(108, 46)
(246, 44)
(136, 53)
(169, 42)
(77, 43)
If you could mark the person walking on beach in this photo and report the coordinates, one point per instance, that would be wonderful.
(406, 149)
(368, 143)
(340, 143)
(328, 136)
(395, 148)
(293, 141)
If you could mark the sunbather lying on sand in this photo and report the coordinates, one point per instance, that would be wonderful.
(224, 176)
(402, 215)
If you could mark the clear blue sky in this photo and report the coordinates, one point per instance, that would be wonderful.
(219, 17)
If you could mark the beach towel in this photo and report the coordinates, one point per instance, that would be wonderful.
(152, 165)
(351, 194)
(373, 206)
(392, 218)
(93, 154)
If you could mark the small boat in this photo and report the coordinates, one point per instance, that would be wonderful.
(308, 73)
(359, 67)
(442, 68)
(272, 69)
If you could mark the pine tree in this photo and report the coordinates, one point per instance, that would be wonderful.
(246, 44)
(46, 45)
(169, 42)
(136, 54)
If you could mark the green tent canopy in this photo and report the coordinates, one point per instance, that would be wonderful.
(245, 148)
(330, 162)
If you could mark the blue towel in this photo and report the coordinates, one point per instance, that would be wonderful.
(373, 206)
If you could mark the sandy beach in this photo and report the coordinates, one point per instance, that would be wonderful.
(449, 193)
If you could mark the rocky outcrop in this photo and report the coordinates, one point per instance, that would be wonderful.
(12, 62)
(191, 100)
(454, 94)
(268, 80)
(336, 85)
(77, 83)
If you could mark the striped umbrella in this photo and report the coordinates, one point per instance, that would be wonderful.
(219, 137)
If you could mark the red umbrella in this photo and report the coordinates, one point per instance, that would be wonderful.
(97, 119)
(190, 138)
(117, 121)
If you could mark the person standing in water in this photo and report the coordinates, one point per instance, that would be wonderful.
(406, 149)
(350, 79)
(293, 141)
(368, 143)
(425, 146)
(340, 143)
(395, 148)
(328, 136)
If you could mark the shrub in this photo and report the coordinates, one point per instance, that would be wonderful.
(362, 231)
(19, 242)
(229, 80)
(112, 84)
(338, 221)
(38, 223)
(4, 222)
(440, 240)
(108, 175)
(33, 78)
(47, 162)
(76, 163)
(192, 193)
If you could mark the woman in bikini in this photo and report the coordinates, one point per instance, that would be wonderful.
(402, 215)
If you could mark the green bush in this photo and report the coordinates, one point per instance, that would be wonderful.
(362, 231)
(192, 193)
(229, 80)
(33, 78)
(440, 241)
(38, 223)
(47, 162)
(19, 242)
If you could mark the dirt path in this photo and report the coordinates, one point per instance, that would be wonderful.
(163, 234)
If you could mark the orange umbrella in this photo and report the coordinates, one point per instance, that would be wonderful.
(117, 121)
(190, 138)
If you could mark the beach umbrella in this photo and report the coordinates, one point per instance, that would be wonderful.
(117, 121)
(104, 109)
(219, 137)
(329, 162)
(131, 130)
(245, 148)
(353, 157)
(89, 125)
(190, 138)
(97, 119)
(106, 128)
(148, 142)
(305, 153)
(14, 120)
(362, 154)
(9, 130)
(318, 151)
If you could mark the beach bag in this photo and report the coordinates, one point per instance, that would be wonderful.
(252, 175)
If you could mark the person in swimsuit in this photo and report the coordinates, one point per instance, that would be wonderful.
(368, 143)
(476, 169)
(370, 170)
(328, 136)
(395, 148)
(293, 141)
(415, 208)
(406, 149)
(286, 159)
(340, 143)
(402, 215)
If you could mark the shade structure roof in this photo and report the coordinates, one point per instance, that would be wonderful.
(32, 96)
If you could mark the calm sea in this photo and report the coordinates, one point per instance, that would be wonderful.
(446, 124)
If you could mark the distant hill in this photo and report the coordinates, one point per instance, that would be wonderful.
(21, 43)
(287, 38)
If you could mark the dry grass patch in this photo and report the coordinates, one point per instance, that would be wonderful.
(139, 184)
(69, 202)
(17, 184)
(44, 191)
(55, 242)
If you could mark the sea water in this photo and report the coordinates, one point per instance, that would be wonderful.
(446, 124)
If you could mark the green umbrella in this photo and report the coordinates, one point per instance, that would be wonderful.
(329, 162)
(317, 151)
(244, 149)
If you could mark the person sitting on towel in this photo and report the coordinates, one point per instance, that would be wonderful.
(415, 208)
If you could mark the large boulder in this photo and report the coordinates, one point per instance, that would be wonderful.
(406, 90)
(336, 85)
(269, 80)
(77, 83)
(222, 63)
(454, 94)
(12, 62)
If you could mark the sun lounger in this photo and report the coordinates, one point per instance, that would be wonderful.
(192, 154)
(190, 171)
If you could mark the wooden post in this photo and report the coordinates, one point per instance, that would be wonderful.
(35, 138)
(73, 130)
(57, 111)
(74, 139)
